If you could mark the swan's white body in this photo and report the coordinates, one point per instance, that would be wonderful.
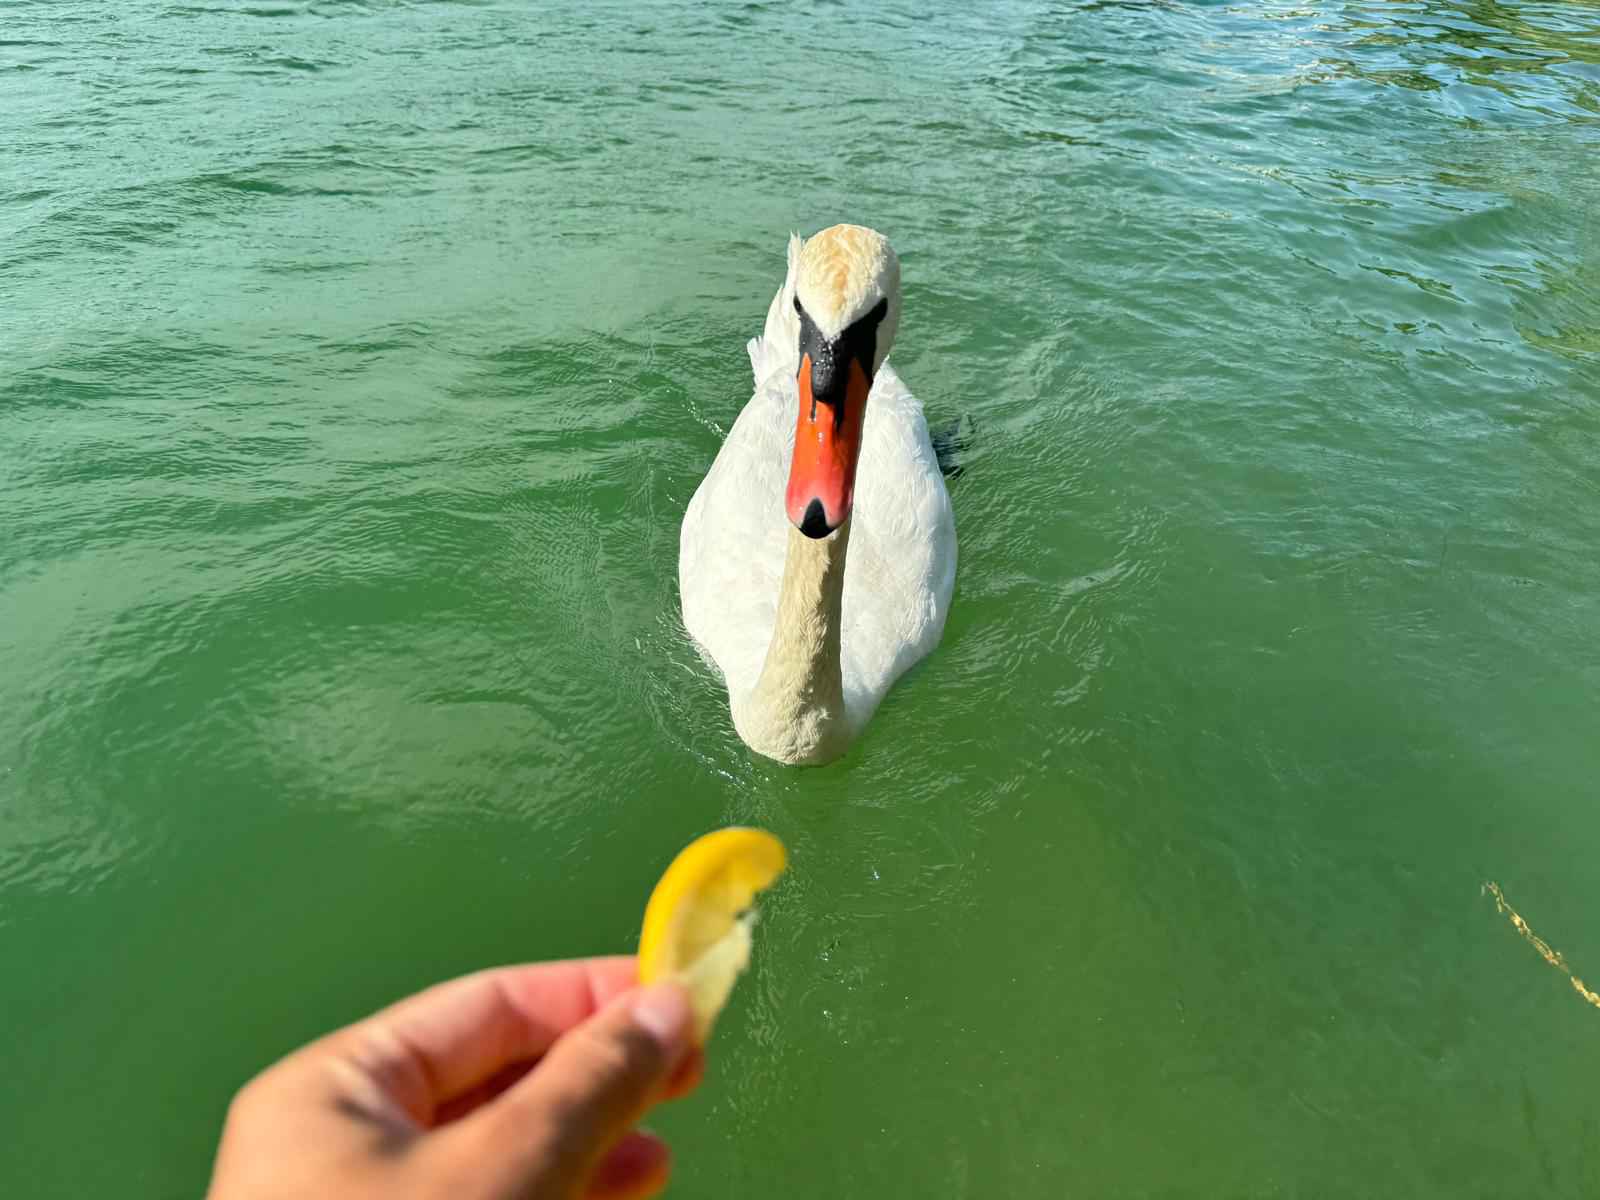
(901, 561)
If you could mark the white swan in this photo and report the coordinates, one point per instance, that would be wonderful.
(808, 639)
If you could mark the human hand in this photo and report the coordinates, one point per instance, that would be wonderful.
(518, 1082)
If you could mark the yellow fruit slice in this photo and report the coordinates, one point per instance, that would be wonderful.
(697, 924)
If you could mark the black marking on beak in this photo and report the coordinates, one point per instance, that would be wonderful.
(815, 524)
(831, 357)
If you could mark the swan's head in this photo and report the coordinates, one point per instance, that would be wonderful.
(847, 294)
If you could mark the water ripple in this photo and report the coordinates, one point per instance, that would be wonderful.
(358, 359)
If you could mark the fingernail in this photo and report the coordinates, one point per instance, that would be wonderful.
(662, 1011)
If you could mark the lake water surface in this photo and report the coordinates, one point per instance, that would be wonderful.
(357, 361)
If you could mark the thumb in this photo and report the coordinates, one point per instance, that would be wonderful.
(546, 1135)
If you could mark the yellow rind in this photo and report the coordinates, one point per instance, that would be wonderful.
(692, 930)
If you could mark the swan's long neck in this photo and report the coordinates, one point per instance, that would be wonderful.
(796, 713)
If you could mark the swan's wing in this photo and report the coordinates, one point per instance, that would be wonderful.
(777, 350)
(731, 547)
(734, 537)
(902, 565)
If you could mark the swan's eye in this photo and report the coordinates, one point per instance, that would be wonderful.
(797, 307)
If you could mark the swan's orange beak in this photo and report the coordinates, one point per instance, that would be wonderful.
(827, 445)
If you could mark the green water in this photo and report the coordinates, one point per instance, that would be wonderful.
(357, 362)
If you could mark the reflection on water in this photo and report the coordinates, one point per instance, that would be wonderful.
(1520, 81)
(1540, 59)
(1546, 952)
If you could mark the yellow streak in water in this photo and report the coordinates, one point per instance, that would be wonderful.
(1549, 953)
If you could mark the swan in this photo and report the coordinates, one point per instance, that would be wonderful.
(812, 589)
